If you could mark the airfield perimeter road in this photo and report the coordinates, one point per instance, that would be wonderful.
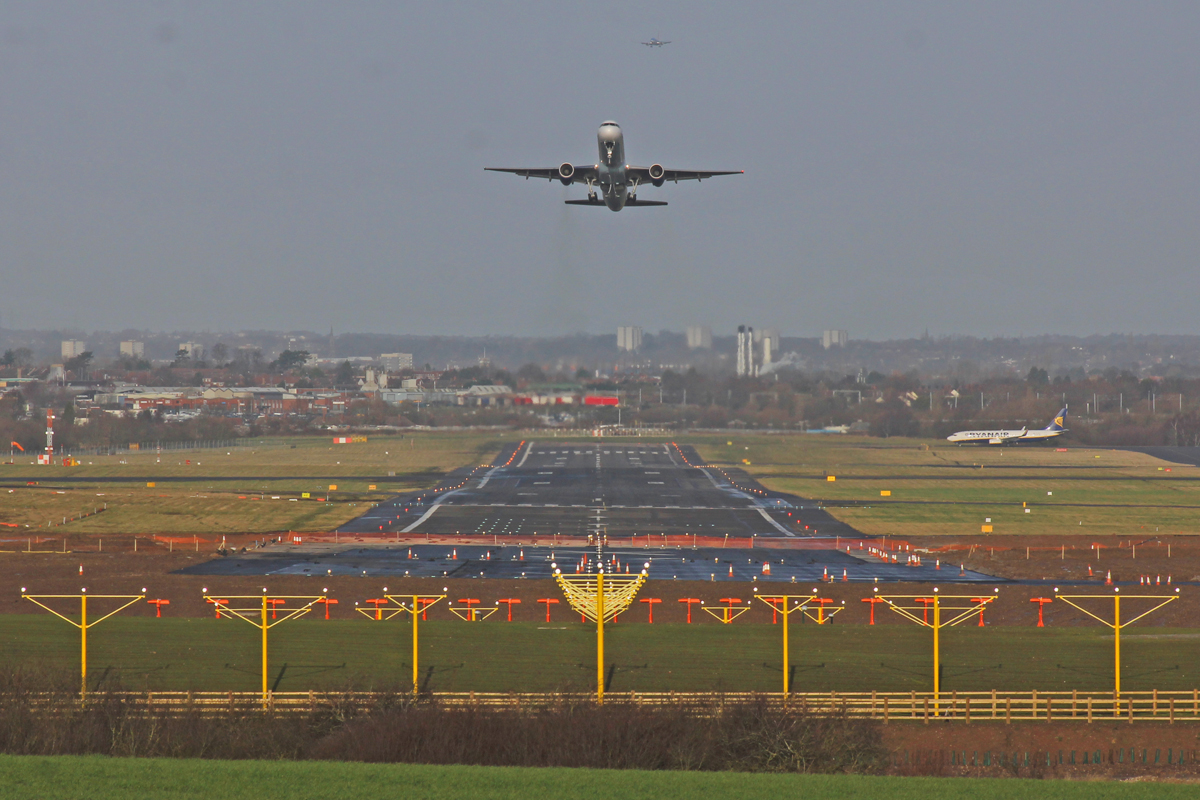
(485, 520)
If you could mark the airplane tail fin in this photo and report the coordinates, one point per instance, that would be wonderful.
(1058, 423)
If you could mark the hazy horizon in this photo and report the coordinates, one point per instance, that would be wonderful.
(1014, 170)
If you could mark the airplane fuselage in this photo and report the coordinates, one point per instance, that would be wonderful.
(611, 170)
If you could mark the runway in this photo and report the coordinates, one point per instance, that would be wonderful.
(621, 490)
(626, 504)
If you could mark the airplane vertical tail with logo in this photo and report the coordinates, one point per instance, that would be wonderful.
(1058, 423)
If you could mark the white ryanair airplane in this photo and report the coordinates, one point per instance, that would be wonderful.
(1051, 431)
(615, 179)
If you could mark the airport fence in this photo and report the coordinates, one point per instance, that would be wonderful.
(995, 706)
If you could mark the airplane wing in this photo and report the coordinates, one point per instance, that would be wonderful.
(676, 175)
(583, 173)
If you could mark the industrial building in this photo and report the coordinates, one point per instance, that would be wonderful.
(834, 339)
(768, 341)
(699, 337)
(395, 362)
(194, 350)
(629, 338)
(745, 351)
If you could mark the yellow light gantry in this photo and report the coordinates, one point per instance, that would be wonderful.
(420, 602)
(1116, 624)
(788, 604)
(582, 593)
(256, 615)
(83, 623)
(600, 598)
(961, 608)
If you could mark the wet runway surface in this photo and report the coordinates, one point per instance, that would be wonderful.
(665, 563)
(591, 491)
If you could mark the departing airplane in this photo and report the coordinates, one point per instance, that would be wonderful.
(655, 42)
(1051, 431)
(617, 180)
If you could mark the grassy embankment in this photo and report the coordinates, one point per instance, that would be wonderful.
(100, 778)
(211, 655)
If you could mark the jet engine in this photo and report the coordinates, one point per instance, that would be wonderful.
(566, 173)
(657, 174)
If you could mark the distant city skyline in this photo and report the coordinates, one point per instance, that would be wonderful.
(957, 358)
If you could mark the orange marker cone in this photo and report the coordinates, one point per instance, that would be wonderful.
(766, 568)
(937, 564)
(962, 569)
(1108, 580)
(845, 576)
(454, 555)
(1090, 570)
(731, 570)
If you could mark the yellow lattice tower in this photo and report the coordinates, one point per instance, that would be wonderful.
(256, 615)
(1116, 624)
(600, 598)
(960, 608)
(83, 623)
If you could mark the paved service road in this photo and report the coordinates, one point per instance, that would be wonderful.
(551, 487)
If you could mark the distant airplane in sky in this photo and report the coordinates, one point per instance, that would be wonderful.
(655, 42)
(615, 179)
(1051, 431)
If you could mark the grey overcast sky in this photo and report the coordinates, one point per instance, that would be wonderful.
(999, 168)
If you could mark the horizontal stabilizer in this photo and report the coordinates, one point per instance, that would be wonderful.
(628, 203)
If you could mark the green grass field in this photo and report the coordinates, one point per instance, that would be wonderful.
(245, 505)
(212, 655)
(49, 778)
